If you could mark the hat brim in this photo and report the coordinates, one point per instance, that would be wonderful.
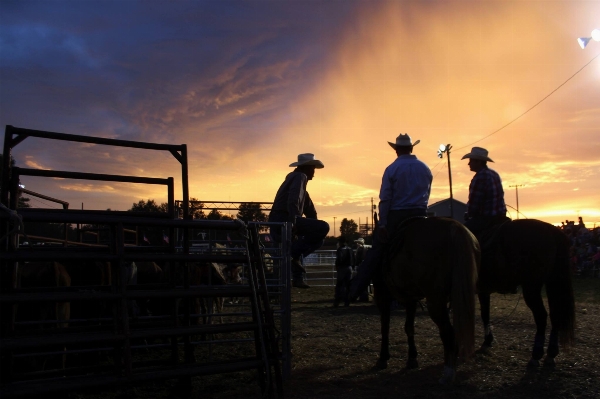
(394, 145)
(315, 162)
(478, 157)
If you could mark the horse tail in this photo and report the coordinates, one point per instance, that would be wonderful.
(466, 256)
(559, 288)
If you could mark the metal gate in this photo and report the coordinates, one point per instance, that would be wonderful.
(110, 342)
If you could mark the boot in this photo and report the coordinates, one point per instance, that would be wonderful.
(300, 284)
(297, 266)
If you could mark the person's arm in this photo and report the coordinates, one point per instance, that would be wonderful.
(296, 196)
(309, 207)
(385, 198)
(476, 196)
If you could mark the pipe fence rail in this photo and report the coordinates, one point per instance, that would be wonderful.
(77, 315)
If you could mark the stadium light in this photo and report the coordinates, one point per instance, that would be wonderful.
(583, 41)
(446, 149)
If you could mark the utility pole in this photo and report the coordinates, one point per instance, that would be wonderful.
(516, 186)
(446, 149)
(334, 225)
(372, 211)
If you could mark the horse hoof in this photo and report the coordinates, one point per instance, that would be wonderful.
(380, 365)
(489, 340)
(549, 362)
(412, 364)
(533, 364)
(485, 349)
(448, 376)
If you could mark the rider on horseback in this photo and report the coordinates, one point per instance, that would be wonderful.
(404, 194)
(486, 207)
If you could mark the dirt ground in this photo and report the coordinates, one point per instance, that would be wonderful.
(334, 350)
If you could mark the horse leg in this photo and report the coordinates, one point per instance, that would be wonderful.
(555, 322)
(533, 299)
(439, 314)
(488, 335)
(553, 341)
(384, 354)
(409, 329)
(552, 347)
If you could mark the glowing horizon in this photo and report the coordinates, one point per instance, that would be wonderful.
(249, 91)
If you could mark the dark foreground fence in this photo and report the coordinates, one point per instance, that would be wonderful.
(113, 314)
(77, 315)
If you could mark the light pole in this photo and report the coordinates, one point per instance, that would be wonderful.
(446, 149)
(373, 207)
(583, 41)
(516, 186)
(334, 225)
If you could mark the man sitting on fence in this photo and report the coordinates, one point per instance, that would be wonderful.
(344, 259)
(291, 202)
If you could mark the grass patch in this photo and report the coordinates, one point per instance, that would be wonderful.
(586, 290)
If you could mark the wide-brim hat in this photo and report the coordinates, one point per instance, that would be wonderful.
(308, 160)
(478, 153)
(403, 140)
(360, 240)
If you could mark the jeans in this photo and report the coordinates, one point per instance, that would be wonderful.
(310, 234)
(342, 284)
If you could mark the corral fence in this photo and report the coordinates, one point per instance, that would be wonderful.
(78, 316)
(320, 268)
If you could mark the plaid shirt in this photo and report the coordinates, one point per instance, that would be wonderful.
(486, 196)
(292, 200)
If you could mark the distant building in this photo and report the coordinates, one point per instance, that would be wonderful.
(442, 208)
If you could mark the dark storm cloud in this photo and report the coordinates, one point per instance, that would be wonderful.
(143, 70)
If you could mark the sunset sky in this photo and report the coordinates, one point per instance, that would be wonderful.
(250, 85)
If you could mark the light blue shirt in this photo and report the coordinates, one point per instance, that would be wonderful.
(406, 184)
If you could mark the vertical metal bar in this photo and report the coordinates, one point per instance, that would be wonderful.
(269, 327)
(286, 303)
(124, 313)
(7, 156)
(184, 181)
(450, 181)
(259, 337)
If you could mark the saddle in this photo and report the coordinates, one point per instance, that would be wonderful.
(397, 237)
(488, 235)
(488, 242)
(394, 245)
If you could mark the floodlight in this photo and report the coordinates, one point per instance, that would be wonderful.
(583, 41)
(442, 148)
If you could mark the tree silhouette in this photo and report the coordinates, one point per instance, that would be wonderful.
(196, 209)
(149, 206)
(216, 215)
(348, 228)
(251, 212)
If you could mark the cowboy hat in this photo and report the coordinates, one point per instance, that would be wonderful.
(403, 140)
(360, 240)
(478, 153)
(308, 160)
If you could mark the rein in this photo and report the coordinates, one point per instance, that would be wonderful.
(502, 319)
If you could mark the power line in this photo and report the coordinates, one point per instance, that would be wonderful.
(42, 202)
(536, 104)
(345, 213)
